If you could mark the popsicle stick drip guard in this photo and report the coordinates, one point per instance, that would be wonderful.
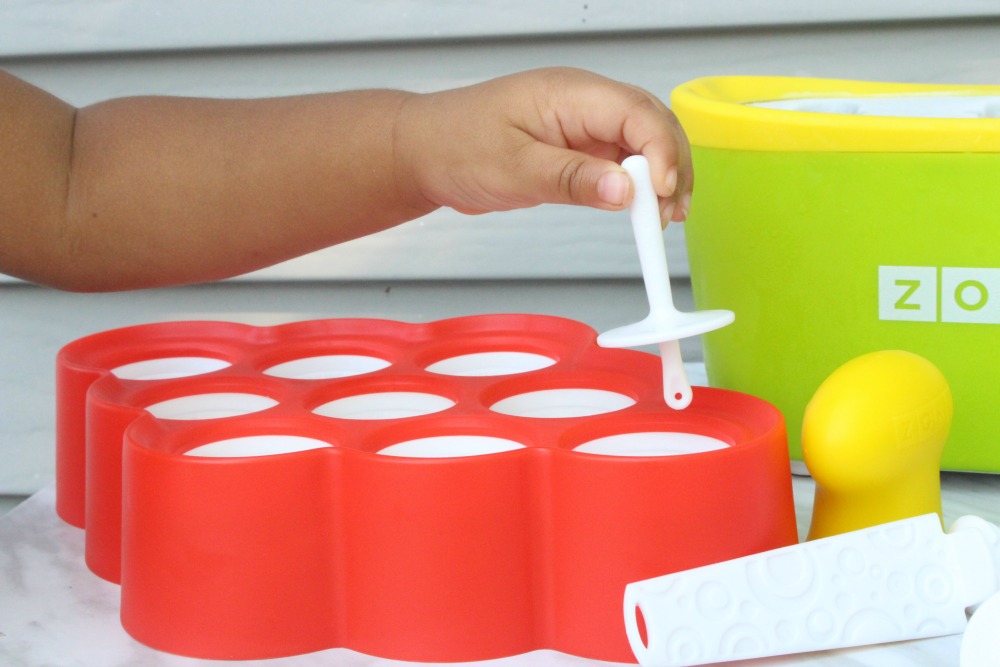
(410, 491)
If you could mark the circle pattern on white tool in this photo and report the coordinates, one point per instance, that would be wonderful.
(168, 368)
(556, 403)
(652, 443)
(451, 446)
(385, 405)
(211, 406)
(327, 366)
(257, 445)
(484, 364)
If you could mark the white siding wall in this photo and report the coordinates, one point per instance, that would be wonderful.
(88, 50)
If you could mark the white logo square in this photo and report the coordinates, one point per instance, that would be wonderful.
(970, 295)
(907, 293)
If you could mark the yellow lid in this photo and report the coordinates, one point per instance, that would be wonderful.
(718, 112)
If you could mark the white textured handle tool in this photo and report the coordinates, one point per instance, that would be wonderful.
(664, 325)
(902, 580)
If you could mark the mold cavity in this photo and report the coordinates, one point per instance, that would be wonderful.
(562, 403)
(168, 368)
(447, 446)
(257, 445)
(653, 443)
(385, 405)
(326, 367)
(491, 363)
(211, 406)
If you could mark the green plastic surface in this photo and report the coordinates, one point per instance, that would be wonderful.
(794, 242)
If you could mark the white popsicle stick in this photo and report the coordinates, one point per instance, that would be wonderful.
(676, 388)
(664, 325)
(902, 580)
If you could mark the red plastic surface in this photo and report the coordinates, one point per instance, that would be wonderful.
(426, 559)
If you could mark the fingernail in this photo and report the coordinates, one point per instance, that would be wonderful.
(684, 208)
(612, 188)
(670, 182)
(666, 212)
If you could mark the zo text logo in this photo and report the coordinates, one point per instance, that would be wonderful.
(939, 294)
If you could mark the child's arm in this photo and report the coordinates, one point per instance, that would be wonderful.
(153, 191)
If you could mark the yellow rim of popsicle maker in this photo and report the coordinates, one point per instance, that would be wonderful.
(715, 114)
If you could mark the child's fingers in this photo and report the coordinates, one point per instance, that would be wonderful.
(654, 131)
(639, 123)
(565, 176)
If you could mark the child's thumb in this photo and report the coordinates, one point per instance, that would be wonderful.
(570, 177)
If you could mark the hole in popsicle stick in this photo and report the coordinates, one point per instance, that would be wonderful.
(992, 111)
(257, 445)
(553, 403)
(327, 366)
(385, 405)
(490, 363)
(211, 406)
(652, 443)
(168, 368)
(448, 446)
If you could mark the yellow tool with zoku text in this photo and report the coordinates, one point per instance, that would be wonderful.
(872, 438)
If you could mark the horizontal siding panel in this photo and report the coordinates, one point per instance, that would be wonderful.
(46, 27)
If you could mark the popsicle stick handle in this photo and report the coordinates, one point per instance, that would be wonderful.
(645, 216)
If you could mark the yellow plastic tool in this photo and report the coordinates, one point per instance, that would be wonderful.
(872, 438)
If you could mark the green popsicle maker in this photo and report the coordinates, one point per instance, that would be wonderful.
(842, 217)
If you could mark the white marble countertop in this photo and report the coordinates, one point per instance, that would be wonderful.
(55, 613)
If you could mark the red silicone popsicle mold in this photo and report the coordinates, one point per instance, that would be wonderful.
(424, 492)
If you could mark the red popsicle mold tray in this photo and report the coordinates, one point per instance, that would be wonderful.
(464, 489)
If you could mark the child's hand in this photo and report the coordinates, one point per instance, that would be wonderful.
(545, 136)
(153, 191)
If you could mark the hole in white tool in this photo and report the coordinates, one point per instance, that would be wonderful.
(554, 403)
(490, 363)
(385, 405)
(211, 406)
(168, 368)
(448, 446)
(326, 367)
(652, 443)
(257, 445)
(640, 625)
